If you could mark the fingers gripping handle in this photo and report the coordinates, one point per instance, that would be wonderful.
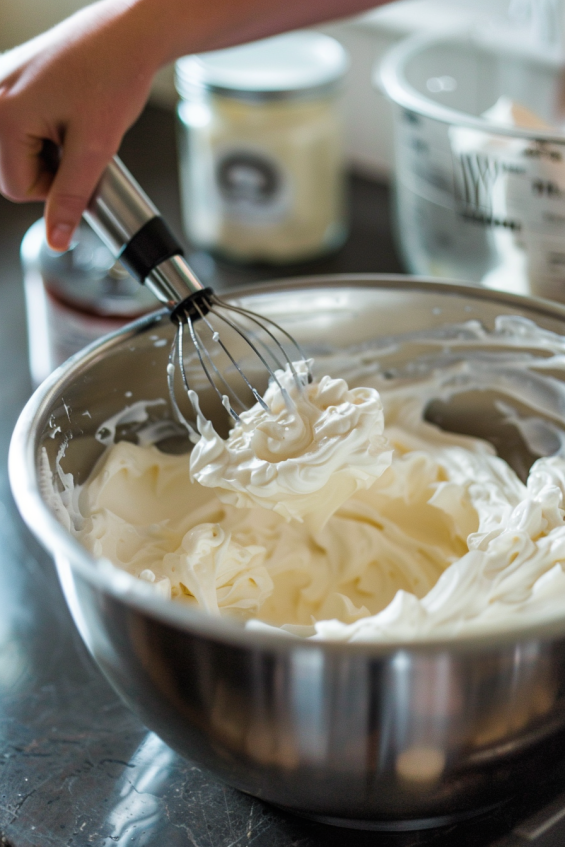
(130, 225)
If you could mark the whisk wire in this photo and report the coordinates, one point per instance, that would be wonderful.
(229, 388)
(261, 358)
(262, 344)
(174, 355)
(198, 347)
(262, 321)
(256, 336)
(180, 356)
(234, 362)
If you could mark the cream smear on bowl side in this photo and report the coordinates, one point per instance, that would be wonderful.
(427, 533)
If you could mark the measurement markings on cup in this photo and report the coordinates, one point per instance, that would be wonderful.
(479, 174)
(475, 182)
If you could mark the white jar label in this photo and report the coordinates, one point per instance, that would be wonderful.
(252, 185)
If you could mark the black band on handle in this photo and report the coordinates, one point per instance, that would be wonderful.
(151, 245)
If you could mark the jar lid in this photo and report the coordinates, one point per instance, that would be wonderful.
(293, 65)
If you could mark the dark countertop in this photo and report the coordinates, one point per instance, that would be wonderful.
(76, 767)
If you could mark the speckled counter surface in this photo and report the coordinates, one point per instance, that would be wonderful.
(76, 767)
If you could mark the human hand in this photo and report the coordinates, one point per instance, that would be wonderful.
(82, 84)
(79, 86)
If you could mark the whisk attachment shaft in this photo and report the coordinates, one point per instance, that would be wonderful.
(194, 306)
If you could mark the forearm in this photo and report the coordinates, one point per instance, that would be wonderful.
(201, 25)
(83, 83)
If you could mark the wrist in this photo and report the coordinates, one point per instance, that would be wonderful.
(160, 29)
(138, 27)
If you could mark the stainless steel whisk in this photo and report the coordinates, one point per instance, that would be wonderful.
(132, 228)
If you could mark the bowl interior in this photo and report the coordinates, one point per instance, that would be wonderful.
(118, 389)
(314, 726)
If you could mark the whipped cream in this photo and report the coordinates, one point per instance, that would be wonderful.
(445, 541)
(302, 454)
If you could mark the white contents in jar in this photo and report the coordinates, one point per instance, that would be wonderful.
(261, 149)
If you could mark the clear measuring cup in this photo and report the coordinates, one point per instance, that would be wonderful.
(477, 199)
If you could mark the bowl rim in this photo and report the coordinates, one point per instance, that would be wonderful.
(389, 76)
(127, 589)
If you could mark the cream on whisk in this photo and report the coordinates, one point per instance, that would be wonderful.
(301, 455)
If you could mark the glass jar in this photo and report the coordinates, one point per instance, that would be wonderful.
(261, 152)
(74, 297)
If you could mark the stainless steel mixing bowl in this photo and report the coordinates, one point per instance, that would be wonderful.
(368, 735)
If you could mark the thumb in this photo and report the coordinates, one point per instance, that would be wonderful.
(80, 169)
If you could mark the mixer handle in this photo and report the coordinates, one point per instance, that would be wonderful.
(126, 220)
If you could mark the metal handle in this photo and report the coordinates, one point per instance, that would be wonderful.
(126, 220)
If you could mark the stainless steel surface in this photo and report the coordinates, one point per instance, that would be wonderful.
(119, 207)
(173, 281)
(314, 727)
